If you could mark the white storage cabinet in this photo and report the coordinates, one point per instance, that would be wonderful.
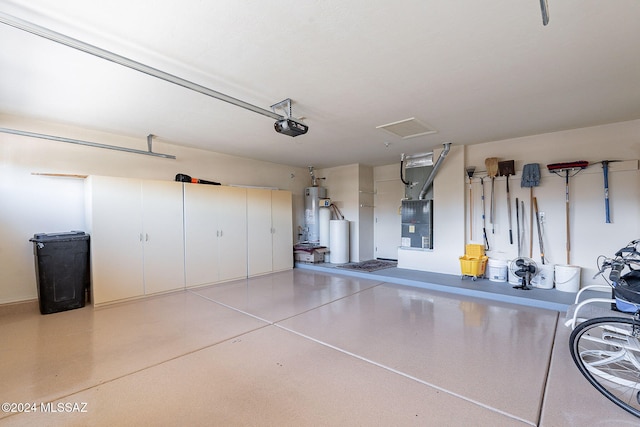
(269, 225)
(137, 241)
(215, 223)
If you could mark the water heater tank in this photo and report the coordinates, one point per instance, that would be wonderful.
(312, 196)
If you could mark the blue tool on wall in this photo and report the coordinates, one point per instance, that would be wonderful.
(605, 172)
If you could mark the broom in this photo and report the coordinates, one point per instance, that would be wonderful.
(566, 168)
(470, 172)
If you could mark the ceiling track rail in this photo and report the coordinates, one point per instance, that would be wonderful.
(129, 63)
(88, 143)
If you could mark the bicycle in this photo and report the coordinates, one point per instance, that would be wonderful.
(606, 349)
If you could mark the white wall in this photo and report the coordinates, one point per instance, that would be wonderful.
(342, 188)
(350, 187)
(34, 204)
(590, 235)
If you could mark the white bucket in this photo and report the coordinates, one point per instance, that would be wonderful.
(544, 278)
(497, 270)
(568, 278)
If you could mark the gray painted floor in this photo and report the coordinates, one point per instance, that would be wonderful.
(300, 347)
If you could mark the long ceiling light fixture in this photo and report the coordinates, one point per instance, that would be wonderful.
(129, 63)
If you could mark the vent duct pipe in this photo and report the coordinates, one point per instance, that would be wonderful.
(129, 63)
(429, 181)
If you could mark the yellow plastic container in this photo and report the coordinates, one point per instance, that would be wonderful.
(473, 266)
(474, 250)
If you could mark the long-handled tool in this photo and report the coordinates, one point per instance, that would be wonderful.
(507, 168)
(605, 172)
(186, 178)
(530, 179)
(522, 210)
(574, 168)
(470, 172)
(535, 205)
(484, 226)
(518, 224)
(492, 170)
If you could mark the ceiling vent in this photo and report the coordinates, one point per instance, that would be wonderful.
(408, 128)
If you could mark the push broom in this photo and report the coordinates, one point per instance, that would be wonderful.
(568, 168)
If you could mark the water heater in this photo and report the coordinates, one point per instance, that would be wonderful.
(312, 196)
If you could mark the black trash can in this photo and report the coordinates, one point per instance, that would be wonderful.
(62, 270)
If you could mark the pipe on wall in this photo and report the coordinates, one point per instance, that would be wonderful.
(429, 181)
(88, 143)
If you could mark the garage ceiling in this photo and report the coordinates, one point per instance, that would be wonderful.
(474, 71)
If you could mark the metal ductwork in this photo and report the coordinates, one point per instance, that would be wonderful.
(429, 181)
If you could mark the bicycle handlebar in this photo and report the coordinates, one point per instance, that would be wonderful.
(616, 268)
(626, 256)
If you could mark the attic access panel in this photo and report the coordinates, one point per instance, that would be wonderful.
(408, 128)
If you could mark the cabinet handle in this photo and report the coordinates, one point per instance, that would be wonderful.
(146, 237)
(140, 236)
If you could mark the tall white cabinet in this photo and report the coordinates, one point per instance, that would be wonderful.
(215, 224)
(137, 241)
(149, 237)
(269, 225)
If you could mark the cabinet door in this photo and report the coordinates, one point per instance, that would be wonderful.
(259, 230)
(115, 223)
(232, 233)
(162, 223)
(282, 223)
(201, 230)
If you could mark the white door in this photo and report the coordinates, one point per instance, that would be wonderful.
(115, 211)
(282, 223)
(232, 236)
(388, 219)
(163, 236)
(259, 231)
(201, 229)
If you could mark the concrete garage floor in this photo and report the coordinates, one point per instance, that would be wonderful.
(301, 347)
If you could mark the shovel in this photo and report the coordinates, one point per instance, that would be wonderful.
(507, 168)
(530, 178)
(492, 170)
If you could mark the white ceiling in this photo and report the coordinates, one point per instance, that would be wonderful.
(475, 71)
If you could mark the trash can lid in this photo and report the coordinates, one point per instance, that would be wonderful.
(59, 237)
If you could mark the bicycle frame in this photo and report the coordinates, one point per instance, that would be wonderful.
(606, 349)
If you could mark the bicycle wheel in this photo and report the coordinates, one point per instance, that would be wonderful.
(607, 351)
